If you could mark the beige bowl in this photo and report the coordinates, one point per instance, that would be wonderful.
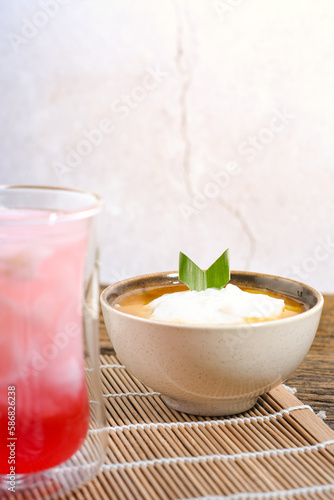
(212, 370)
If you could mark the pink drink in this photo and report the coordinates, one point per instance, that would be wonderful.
(41, 343)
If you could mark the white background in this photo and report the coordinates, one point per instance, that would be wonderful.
(204, 124)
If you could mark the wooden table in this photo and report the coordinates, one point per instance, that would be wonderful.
(314, 379)
(155, 453)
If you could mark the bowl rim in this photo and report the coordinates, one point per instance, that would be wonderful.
(221, 326)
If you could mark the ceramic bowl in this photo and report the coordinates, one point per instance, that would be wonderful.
(212, 370)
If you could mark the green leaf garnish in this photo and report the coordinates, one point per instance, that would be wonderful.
(216, 276)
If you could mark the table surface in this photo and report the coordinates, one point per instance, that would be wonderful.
(314, 379)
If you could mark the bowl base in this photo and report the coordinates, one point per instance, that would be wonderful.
(213, 408)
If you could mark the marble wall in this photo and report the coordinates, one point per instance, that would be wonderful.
(205, 124)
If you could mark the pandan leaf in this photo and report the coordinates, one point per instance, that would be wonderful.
(217, 276)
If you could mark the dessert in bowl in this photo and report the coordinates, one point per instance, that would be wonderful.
(216, 366)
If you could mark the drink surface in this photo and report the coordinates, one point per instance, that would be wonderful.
(41, 344)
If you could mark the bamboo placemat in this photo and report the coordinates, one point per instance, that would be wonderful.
(155, 453)
(278, 450)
